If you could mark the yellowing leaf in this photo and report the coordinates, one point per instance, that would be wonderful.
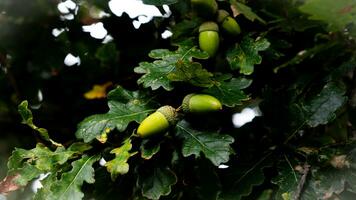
(98, 91)
(104, 136)
(119, 164)
(286, 196)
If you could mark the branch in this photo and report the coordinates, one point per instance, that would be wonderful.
(302, 180)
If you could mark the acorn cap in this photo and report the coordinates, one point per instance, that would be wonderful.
(185, 104)
(169, 113)
(222, 14)
(208, 26)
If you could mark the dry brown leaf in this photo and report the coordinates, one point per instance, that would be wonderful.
(234, 10)
(7, 185)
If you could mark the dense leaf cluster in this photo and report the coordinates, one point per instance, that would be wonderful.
(294, 60)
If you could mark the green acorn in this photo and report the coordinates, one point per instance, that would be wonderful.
(209, 37)
(200, 103)
(205, 8)
(228, 23)
(158, 122)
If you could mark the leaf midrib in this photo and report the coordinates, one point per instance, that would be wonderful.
(75, 177)
(121, 116)
(202, 144)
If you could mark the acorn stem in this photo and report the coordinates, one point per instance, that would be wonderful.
(179, 108)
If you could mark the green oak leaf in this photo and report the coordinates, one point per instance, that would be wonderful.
(346, 67)
(328, 181)
(25, 174)
(337, 14)
(240, 8)
(230, 92)
(193, 73)
(107, 54)
(215, 146)
(119, 165)
(42, 157)
(321, 109)
(27, 119)
(242, 181)
(323, 180)
(149, 148)
(245, 55)
(333, 181)
(266, 195)
(209, 185)
(125, 107)
(186, 51)
(287, 179)
(335, 178)
(79, 147)
(156, 182)
(306, 54)
(29, 164)
(156, 72)
(159, 2)
(185, 28)
(68, 186)
(47, 183)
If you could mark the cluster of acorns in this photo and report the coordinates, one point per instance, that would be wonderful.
(167, 116)
(209, 31)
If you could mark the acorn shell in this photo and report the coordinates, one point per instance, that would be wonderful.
(209, 37)
(222, 14)
(231, 26)
(228, 23)
(200, 103)
(157, 122)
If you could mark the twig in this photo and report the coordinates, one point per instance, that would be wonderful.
(291, 167)
(179, 109)
(253, 167)
(352, 101)
(306, 168)
(294, 132)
